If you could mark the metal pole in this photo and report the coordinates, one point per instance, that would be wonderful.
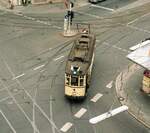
(69, 28)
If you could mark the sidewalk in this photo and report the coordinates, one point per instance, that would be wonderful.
(43, 8)
(128, 85)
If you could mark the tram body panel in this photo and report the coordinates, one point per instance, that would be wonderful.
(75, 91)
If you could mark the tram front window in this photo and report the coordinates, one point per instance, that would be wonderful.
(74, 81)
(67, 79)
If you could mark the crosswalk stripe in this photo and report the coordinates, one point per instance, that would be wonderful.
(66, 127)
(80, 112)
(96, 97)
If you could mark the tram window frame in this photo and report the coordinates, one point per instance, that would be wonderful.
(81, 83)
(67, 79)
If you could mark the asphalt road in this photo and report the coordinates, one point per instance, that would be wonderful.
(32, 62)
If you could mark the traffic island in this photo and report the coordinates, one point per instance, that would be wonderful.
(128, 87)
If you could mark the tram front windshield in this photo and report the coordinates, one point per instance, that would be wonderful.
(75, 80)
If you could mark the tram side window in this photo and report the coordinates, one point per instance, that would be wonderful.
(74, 81)
(81, 81)
(67, 79)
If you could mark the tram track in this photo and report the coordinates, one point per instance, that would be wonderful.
(54, 77)
(37, 84)
(32, 100)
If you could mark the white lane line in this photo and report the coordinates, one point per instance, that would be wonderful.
(39, 21)
(38, 67)
(28, 94)
(33, 110)
(51, 113)
(116, 47)
(10, 125)
(58, 58)
(8, 97)
(139, 29)
(18, 76)
(80, 112)
(3, 99)
(96, 97)
(66, 127)
(133, 21)
(109, 85)
(13, 97)
(102, 7)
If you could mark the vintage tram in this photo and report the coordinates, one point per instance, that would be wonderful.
(79, 66)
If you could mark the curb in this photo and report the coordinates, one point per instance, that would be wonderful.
(121, 97)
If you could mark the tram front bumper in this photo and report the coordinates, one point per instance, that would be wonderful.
(75, 92)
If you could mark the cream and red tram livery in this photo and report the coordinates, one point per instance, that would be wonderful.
(79, 66)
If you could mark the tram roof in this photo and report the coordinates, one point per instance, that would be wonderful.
(81, 54)
(141, 56)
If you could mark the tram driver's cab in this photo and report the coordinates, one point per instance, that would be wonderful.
(75, 83)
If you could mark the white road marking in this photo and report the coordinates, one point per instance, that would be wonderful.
(66, 127)
(28, 17)
(6, 98)
(54, 26)
(28, 94)
(108, 114)
(116, 47)
(109, 85)
(38, 67)
(139, 29)
(102, 7)
(133, 21)
(58, 58)
(80, 112)
(39, 21)
(10, 125)
(18, 76)
(140, 45)
(14, 99)
(3, 99)
(51, 113)
(96, 97)
(33, 19)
